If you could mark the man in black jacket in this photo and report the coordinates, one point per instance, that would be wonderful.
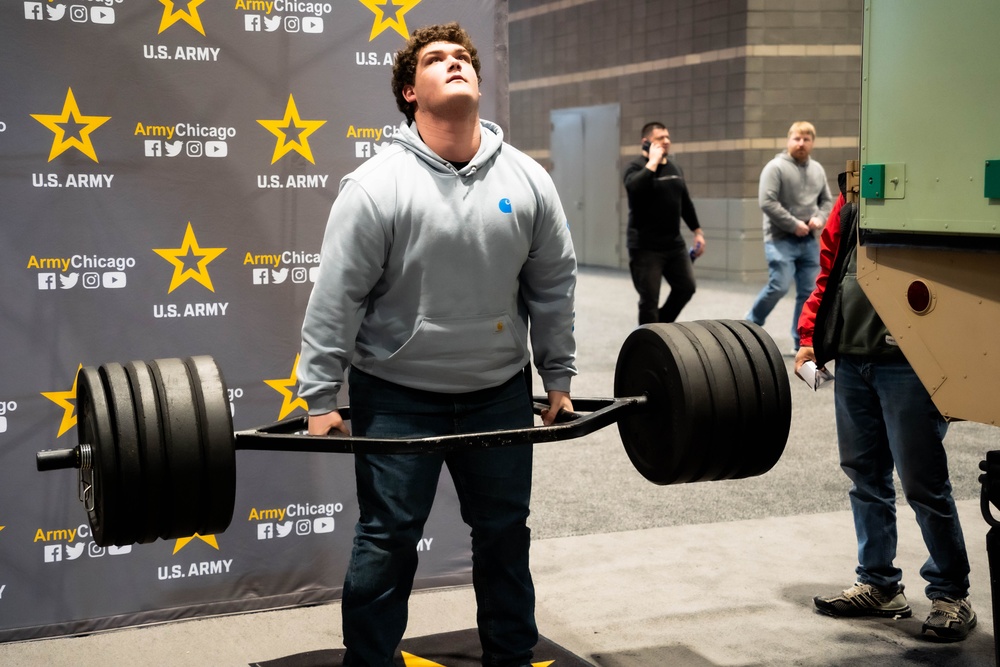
(657, 200)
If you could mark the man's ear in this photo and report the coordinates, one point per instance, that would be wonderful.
(408, 94)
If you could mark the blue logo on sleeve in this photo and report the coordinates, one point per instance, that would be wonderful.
(505, 205)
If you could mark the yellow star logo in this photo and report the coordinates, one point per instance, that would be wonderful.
(72, 129)
(292, 132)
(189, 249)
(410, 660)
(389, 14)
(64, 399)
(189, 14)
(207, 539)
(285, 387)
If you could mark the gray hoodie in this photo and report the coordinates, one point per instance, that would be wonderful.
(429, 275)
(790, 191)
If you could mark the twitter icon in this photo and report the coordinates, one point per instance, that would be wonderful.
(55, 12)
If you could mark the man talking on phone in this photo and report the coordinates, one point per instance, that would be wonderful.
(657, 201)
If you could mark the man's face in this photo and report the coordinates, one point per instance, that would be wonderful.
(800, 146)
(661, 137)
(445, 82)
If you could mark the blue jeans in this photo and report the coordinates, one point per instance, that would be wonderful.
(885, 417)
(789, 258)
(395, 494)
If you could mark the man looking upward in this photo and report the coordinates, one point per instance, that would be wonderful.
(438, 252)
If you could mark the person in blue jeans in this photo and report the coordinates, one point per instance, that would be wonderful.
(437, 253)
(885, 419)
(795, 199)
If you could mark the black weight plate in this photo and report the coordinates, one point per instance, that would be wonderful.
(120, 404)
(724, 401)
(700, 409)
(94, 428)
(218, 443)
(152, 459)
(776, 435)
(182, 446)
(768, 412)
(701, 456)
(661, 363)
(698, 405)
(745, 381)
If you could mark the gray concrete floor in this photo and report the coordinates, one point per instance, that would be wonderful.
(630, 574)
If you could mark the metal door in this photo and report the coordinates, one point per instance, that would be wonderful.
(585, 168)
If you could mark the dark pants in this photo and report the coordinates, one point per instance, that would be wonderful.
(395, 494)
(648, 268)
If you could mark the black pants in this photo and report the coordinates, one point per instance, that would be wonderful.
(648, 267)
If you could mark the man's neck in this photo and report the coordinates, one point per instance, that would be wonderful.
(453, 140)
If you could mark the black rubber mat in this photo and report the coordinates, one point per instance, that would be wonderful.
(449, 649)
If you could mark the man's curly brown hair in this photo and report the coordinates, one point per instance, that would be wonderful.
(404, 70)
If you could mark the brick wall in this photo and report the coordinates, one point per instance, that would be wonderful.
(727, 77)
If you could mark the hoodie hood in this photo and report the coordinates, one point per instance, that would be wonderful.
(489, 145)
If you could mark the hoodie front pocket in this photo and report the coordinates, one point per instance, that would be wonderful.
(463, 350)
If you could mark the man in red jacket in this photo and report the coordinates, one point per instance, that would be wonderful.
(885, 418)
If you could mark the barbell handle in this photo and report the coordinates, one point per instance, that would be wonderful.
(291, 434)
(57, 459)
(562, 417)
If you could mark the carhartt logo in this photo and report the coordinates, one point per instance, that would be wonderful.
(389, 14)
(72, 129)
(505, 206)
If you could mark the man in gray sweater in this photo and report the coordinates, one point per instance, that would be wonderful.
(438, 253)
(796, 201)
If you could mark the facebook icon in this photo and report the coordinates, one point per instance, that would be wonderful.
(46, 281)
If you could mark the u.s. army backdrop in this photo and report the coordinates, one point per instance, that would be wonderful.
(166, 171)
